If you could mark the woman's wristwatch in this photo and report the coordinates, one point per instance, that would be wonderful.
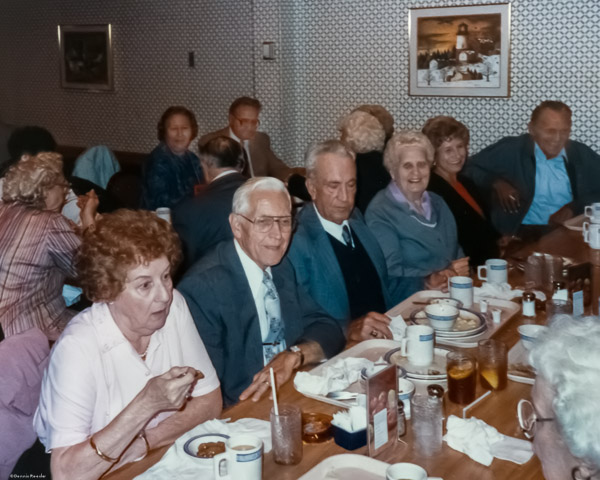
(298, 351)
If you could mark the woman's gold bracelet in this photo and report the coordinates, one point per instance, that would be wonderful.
(106, 458)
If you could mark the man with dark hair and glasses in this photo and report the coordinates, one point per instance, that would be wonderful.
(562, 417)
(260, 160)
(247, 303)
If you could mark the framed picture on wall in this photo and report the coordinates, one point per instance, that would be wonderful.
(86, 57)
(460, 51)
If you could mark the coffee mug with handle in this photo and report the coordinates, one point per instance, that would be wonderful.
(242, 459)
(417, 345)
(496, 271)
(591, 234)
(593, 212)
(461, 288)
(407, 471)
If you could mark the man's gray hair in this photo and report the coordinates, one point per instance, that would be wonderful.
(315, 150)
(241, 198)
(567, 356)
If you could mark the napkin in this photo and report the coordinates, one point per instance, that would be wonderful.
(482, 442)
(352, 420)
(398, 327)
(503, 291)
(175, 463)
(336, 377)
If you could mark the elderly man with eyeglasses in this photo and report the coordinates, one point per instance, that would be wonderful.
(256, 146)
(247, 304)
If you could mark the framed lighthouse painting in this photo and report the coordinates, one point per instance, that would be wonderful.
(460, 51)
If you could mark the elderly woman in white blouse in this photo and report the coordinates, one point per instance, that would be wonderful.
(123, 369)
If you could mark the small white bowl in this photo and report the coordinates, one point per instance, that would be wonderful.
(441, 316)
(529, 333)
(191, 446)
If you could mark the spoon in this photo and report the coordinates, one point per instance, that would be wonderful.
(342, 395)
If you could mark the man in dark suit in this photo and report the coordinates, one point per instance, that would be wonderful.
(203, 221)
(243, 125)
(336, 257)
(247, 304)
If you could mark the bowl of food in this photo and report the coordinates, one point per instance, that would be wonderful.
(445, 301)
(441, 316)
(204, 447)
(529, 333)
(316, 427)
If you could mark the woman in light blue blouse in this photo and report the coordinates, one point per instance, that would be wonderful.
(415, 228)
(171, 171)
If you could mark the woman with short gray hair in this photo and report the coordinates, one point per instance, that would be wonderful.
(563, 416)
(415, 228)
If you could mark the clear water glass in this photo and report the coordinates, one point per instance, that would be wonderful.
(286, 434)
(426, 420)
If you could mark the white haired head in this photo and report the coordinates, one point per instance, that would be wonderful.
(241, 198)
(317, 149)
(362, 132)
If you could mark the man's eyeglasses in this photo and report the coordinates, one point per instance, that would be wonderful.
(528, 418)
(247, 122)
(265, 224)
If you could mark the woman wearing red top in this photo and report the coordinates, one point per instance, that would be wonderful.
(476, 235)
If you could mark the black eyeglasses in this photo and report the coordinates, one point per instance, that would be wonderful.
(528, 418)
(265, 223)
(246, 121)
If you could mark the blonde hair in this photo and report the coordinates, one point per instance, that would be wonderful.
(29, 180)
(403, 140)
(362, 132)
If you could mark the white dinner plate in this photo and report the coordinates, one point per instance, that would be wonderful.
(435, 371)
(469, 323)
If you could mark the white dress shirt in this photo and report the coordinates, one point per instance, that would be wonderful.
(333, 229)
(95, 372)
(244, 144)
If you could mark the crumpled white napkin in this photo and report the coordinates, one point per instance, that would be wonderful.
(338, 376)
(175, 463)
(482, 442)
(503, 291)
(398, 327)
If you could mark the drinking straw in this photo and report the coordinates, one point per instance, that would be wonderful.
(472, 404)
(274, 390)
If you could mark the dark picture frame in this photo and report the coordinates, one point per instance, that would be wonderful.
(461, 51)
(86, 57)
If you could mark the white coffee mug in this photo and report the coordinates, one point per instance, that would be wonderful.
(461, 288)
(591, 234)
(164, 213)
(496, 271)
(417, 345)
(593, 212)
(405, 471)
(242, 459)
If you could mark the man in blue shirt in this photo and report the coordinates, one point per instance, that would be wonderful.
(538, 178)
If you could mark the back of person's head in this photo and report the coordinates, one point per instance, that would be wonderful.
(567, 356)
(554, 105)
(161, 127)
(29, 140)
(317, 149)
(441, 128)
(382, 114)
(29, 180)
(244, 102)
(222, 152)
(241, 197)
(362, 132)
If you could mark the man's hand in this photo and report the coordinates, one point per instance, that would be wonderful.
(461, 266)
(561, 215)
(369, 326)
(283, 365)
(508, 196)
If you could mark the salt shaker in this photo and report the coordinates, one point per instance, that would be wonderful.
(528, 304)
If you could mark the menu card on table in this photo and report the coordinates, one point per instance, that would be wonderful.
(382, 409)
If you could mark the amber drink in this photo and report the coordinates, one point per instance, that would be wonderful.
(462, 377)
(493, 359)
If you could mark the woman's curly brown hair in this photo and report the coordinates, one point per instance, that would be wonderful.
(29, 180)
(119, 242)
(441, 128)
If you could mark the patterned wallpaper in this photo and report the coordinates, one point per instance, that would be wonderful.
(331, 56)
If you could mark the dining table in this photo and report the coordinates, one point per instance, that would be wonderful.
(499, 409)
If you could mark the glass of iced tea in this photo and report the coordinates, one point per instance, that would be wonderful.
(462, 377)
(493, 359)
